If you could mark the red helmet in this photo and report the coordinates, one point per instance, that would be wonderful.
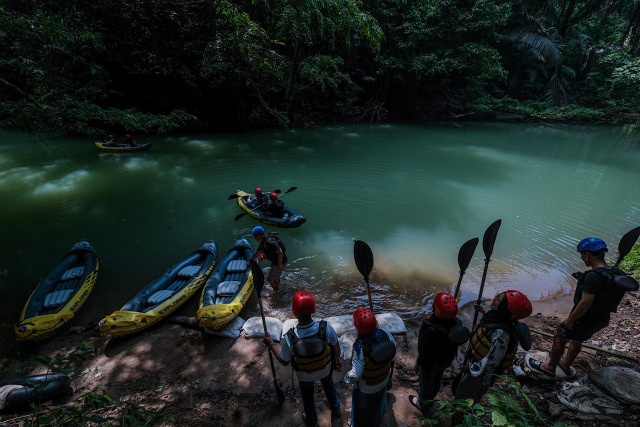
(110, 136)
(128, 136)
(445, 306)
(519, 305)
(258, 191)
(303, 303)
(273, 196)
(365, 321)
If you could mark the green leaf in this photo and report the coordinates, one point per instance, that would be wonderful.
(498, 419)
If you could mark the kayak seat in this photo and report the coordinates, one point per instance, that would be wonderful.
(158, 297)
(227, 289)
(237, 266)
(54, 299)
(72, 273)
(189, 271)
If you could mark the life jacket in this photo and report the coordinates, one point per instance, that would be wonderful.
(481, 343)
(377, 358)
(272, 255)
(618, 284)
(277, 209)
(311, 354)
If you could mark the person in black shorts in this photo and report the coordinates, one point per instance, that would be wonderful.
(274, 251)
(593, 303)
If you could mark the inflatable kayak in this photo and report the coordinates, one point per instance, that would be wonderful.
(229, 287)
(19, 394)
(60, 294)
(165, 294)
(291, 218)
(123, 147)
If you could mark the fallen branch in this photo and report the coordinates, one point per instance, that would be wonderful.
(592, 347)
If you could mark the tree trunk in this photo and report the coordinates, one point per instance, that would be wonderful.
(564, 27)
(293, 67)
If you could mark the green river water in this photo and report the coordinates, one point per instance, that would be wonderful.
(414, 193)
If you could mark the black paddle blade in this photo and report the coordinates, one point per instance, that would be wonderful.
(279, 394)
(277, 191)
(290, 190)
(258, 277)
(364, 258)
(240, 216)
(234, 196)
(627, 242)
(466, 253)
(489, 238)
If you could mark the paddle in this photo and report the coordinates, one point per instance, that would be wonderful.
(244, 213)
(364, 261)
(237, 196)
(464, 258)
(626, 244)
(258, 283)
(488, 240)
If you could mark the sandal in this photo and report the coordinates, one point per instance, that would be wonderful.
(536, 364)
(348, 422)
(414, 404)
(567, 372)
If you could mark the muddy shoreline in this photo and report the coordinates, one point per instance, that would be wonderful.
(201, 379)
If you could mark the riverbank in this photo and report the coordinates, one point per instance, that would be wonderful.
(199, 379)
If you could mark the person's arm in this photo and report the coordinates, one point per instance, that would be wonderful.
(255, 255)
(332, 340)
(357, 365)
(280, 267)
(336, 349)
(268, 341)
(582, 307)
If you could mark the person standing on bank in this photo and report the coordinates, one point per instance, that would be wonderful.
(438, 342)
(314, 350)
(274, 251)
(371, 359)
(594, 301)
(494, 343)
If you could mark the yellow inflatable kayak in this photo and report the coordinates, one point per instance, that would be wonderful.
(60, 294)
(290, 218)
(165, 294)
(229, 287)
(123, 147)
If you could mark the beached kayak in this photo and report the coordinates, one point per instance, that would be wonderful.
(21, 393)
(165, 294)
(291, 218)
(229, 287)
(123, 148)
(60, 294)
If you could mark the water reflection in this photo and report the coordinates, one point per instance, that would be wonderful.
(414, 193)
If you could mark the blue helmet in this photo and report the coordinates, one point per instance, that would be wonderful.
(592, 244)
(257, 230)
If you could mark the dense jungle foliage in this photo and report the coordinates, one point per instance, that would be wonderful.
(86, 66)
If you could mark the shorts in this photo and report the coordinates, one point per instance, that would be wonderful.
(274, 273)
(582, 329)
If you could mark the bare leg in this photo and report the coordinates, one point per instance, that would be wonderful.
(557, 350)
(574, 349)
(275, 285)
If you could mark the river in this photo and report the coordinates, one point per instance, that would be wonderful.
(414, 193)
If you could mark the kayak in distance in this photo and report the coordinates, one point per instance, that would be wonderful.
(290, 219)
(228, 289)
(122, 147)
(60, 294)
(163, 295)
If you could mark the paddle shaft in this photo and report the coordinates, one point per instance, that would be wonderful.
(264, 324)
(369, 295)
(592, 347)
(455, 294)
(484, 277)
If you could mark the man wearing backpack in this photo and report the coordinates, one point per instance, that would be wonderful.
(596, 297)
(314, 349)
(438, 342)
(274, 251)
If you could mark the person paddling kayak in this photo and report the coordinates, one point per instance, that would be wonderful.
(438, 342)
(313, 348)
(373, 353)
(494, 344)
(595, 299)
